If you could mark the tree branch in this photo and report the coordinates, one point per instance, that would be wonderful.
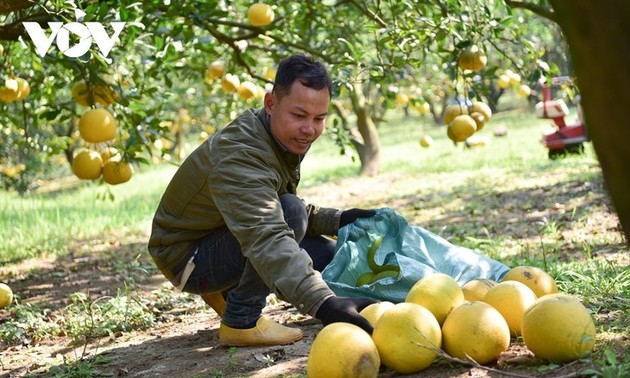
(7, 6)
(369, 13)
(534, 8)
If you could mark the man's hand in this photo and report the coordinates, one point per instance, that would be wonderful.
(351, 215)
(345, 309)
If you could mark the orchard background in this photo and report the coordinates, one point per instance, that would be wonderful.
(394, 66)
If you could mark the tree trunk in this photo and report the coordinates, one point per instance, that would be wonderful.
(370, 150)
(598, 35)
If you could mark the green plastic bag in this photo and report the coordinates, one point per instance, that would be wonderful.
(414, 250)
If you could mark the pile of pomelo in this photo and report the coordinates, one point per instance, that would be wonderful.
(477, 321)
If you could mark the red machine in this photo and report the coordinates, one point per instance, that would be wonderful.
(566, 138)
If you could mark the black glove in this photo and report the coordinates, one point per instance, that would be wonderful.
(351, 215)
(345, 309)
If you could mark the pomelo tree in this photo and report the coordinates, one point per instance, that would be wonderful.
(165, 50)
(166, 47)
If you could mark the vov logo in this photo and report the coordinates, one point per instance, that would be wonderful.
(86, 33)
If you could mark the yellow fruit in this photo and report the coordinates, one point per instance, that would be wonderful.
(24, 88)
(558, 327)
(535, 278)
(481, 107)
(480, 120)
(472, 58)
(260, 14)
(461, 128)
(215, 70)
(511, 299)
(438, 293)
(423, 108)
(475, 290)
(426, 140)
(108, 153)
(504, 81)
(6, 295)
(87, 165)
(407, 337)
(247, 90)
(515, 78)
(374, 311)
(402, 99)
(453, 111)
(103, 94)
(80, 93)
(342, 350)
(117, 172)
(270, 74)
(476, 330)
(1, 50)
(97, 125)
(230, 83)
(524, 90)
(10, 91)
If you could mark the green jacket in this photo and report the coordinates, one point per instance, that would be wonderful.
(234, 179)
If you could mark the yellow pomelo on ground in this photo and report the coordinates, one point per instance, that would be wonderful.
(426, 140)
(215, 70)
(475, 290)
(481, 107)
(230, 83)
(461, 128)
(407, 337)
(558, 327)
(453, 111)
(97, 125)
(343, 350)
(438, 292)
(476, 330)
(10, 91)
(108, 153)
(116, 171)
(247, 90)
(535, 278)
(374, 311)
(472, 58)
(511, 299)
(24, 88)
(260, 14)
(87, 165)
(6, 295)
(504, 81)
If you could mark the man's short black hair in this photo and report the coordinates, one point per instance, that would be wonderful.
(302, 67)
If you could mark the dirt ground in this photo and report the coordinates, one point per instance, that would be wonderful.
(184, 341)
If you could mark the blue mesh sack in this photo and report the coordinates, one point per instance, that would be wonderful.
(410, 252)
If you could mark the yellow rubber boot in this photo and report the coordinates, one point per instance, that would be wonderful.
(216, 301)
(266, 332)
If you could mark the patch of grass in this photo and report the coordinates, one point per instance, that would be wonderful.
(46, 224)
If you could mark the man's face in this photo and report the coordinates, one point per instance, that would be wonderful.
(298, 118)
